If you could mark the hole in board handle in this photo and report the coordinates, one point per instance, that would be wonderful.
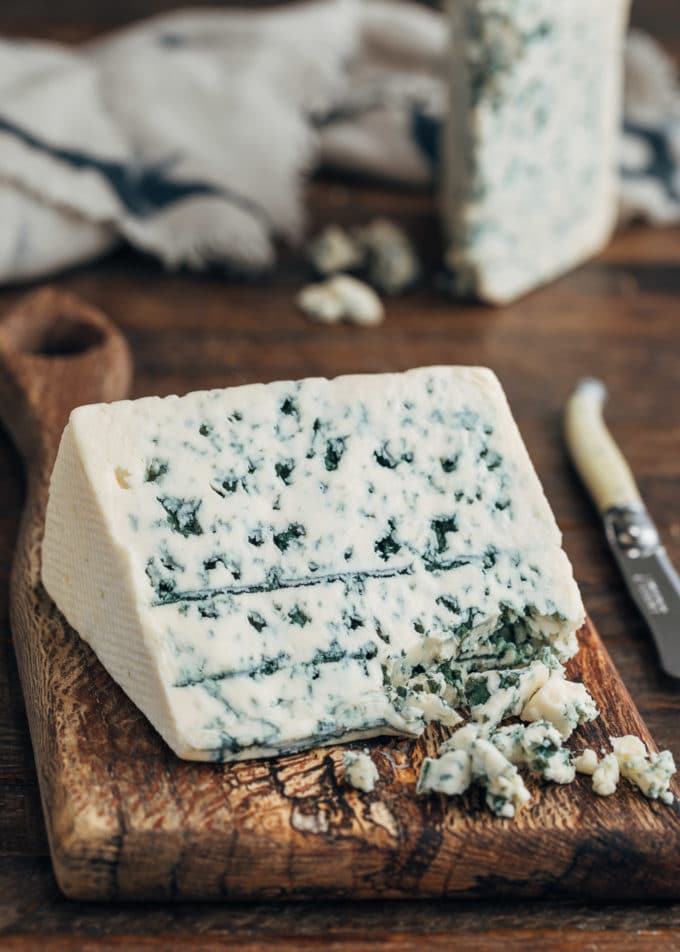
(66, 337)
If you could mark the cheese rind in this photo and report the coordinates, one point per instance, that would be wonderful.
(532, 139)
(269, 568)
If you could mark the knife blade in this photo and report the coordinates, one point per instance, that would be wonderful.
(633, 538)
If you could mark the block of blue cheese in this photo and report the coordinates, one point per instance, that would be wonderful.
(532, 139)
(273, 567)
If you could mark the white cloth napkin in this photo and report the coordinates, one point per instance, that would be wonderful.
(190, 135)
(650, 148)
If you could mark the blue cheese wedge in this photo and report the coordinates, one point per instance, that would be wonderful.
(274, 567)
(532, 139)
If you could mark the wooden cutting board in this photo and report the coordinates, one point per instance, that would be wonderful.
(127, 820)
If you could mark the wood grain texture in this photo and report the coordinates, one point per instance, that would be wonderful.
(501, 941)
(127, 820)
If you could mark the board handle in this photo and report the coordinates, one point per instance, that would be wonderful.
(56, 353)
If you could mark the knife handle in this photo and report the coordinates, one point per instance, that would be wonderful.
(599, 461)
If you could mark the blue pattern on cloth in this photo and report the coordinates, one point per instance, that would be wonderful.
(425, 130)
(661, 166)
(650, 173)
(190, 135)
(142, 190)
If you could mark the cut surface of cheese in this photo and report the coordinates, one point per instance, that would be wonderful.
(273, 567)
(532, 139)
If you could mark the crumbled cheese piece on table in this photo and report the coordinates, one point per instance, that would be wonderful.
(505, 790)
(468, 756)
(341, 296)
(566, 704)
(392, 262)
(606, 776)
(544, 753)
(650, 772)
(334, 250)
(586, 763)
(360, 771)
(450, 774)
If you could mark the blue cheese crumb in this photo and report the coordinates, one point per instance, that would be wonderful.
(505, 789)
(334, 250)
(450, 774)
(341, 297)
(651, 773)
(566, 704)
(508, 692)
(606, 776)
(392, 263)
(466, 758)
(538, 747)
(470, 757)
(360, 771)
(586, 762)
(380, 251)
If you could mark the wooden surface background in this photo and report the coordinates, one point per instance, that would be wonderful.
(618, 317)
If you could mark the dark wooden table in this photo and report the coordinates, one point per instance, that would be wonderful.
(618, 317)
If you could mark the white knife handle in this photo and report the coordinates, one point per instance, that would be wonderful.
(596, 456)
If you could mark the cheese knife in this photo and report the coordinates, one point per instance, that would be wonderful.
(632, 536)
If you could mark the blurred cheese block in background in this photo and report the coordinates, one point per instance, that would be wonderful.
(532, 140)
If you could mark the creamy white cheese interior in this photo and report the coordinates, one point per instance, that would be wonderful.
(272, 567)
